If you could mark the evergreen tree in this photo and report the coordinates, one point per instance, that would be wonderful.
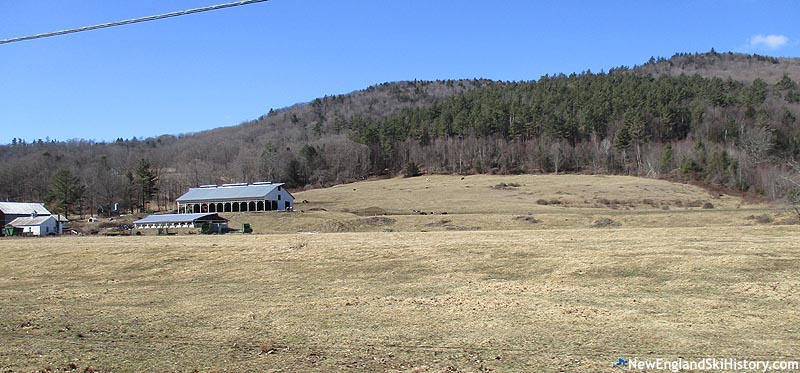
(667, 160)
(411, 169)
(145, 180)
(622, 139)
(295, 174)
(66, 192)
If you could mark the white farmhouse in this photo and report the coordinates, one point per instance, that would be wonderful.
(35, 226)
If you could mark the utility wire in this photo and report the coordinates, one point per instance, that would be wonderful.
(133, 20)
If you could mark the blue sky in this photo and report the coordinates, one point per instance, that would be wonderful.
(224, 67)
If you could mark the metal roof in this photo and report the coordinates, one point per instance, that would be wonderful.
(28, 221)
(230, 192)
(176, 218)
(22, 208)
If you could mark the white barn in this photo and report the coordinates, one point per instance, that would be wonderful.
(36, 226)
(240, 197)
(12, 210)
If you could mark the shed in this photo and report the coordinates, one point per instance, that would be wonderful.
(214, 222)
(239, 197)
(35, 226)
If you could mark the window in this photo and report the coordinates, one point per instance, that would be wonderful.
(279, 197)
(279, 188)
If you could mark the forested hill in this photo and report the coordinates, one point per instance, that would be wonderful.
(741, 67)
(722, 118)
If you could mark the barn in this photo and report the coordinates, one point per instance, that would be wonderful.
(239, 197)
(211, 222)
(34, 226)
(12, 210)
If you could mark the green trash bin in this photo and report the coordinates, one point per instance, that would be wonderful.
(246, 228)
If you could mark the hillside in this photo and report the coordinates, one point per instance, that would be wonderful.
(678, 118)
(251, 151)
(740, 67)
(509, 202)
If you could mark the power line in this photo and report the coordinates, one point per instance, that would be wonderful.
(130, 21)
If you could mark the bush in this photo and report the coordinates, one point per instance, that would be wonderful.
(529, 219)
(541, 202)
(762, 219)
(708, 205)
(648, 201)
(695, 203)
(506, 186)
(411, 170)
(605, 222)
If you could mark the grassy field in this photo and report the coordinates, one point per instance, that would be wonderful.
(524, 202)
(481, 292)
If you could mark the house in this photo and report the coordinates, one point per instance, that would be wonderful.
(46, 225)
(12, 210)
(207, 222)
(239, 197)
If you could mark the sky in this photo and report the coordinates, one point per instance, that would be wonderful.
(221, 68)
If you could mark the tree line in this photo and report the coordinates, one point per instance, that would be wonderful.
(726, 132)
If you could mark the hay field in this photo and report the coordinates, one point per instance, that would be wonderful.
(489, 202)
(557, 297)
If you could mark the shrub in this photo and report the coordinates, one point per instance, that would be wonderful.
(379, 220)
(708, 205)
(762, 219)
(695, 203)
(529, 219)
(506, 186)
(605, 222)
(411, 170)
(541, 202)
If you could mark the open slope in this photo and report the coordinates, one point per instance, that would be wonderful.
(496, 202)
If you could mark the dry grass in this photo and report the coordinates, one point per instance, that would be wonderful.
(505, 194)
(495, 291)
(487, 202)
(570, 299)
